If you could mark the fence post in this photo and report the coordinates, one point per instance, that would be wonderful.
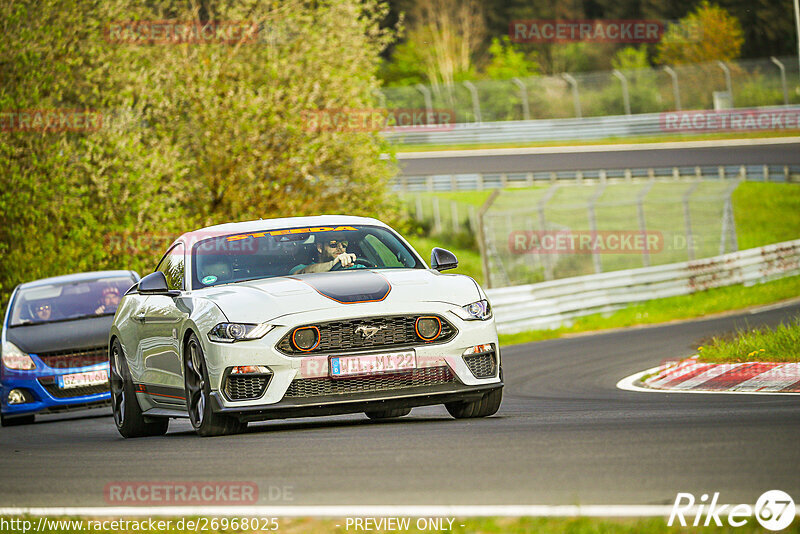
(727, 72)
(454, 215)
(676, 92)
(642, 223)
(783, 79)
(426, 93)
(437, 216)
(598, 268)
(728, 224)
(420, 214)
(476, 104)
(523, 95)
(575, 96)
(473, 219)
(626, 97)
(547, 259)
(688, 220)
(483, 244)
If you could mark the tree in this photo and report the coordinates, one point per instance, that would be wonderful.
(709, 33)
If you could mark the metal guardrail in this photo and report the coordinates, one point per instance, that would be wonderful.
(549, 129)
(481, 181)
(556, 303)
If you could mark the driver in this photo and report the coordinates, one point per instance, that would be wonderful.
(108, 301)
(43, 311)
(330, 251)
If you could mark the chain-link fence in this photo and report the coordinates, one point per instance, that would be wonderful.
(546, 233)
(747, 83)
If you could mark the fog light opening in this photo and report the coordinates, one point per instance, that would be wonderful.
(428, 328)
(306, 338)
(479, 349)
(17, 396)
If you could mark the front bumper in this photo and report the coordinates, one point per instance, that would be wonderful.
(41, 388)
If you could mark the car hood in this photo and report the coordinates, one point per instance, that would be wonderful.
(84, 333)
(265, 300)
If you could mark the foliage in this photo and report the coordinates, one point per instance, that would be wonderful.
(193, 134)
(507, 62)
(709, 33)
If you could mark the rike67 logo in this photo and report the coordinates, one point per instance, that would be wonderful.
(774, 510)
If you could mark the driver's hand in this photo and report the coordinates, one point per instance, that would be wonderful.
(345, 259)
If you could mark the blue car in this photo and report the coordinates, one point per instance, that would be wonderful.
(55, 344)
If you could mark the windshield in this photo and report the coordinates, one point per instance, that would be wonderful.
(296, 251)
(69, 300)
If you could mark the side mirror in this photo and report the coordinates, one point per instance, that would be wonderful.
(156, 284)
(442, 259)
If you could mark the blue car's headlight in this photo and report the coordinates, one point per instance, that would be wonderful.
(480, 310)
(230, 332)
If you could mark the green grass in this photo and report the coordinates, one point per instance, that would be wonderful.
(766, 213)
(606, 141)
(758, 344)
(673, 308)
(489, 525)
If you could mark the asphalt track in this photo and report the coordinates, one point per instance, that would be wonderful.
(564, 435)
(739, 152)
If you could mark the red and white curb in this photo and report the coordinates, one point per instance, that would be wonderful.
(692, 376)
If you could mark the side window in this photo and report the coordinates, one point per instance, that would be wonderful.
(387, 258)
(172, 267)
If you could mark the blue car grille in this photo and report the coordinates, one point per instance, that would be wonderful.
(49, 383)
(64, 359)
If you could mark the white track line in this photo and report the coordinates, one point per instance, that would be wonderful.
(629, 384)
(353, 511)
(597, 148)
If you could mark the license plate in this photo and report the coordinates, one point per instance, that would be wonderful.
(372, 364)
(89, 378)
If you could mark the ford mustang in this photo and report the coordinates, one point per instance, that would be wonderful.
(54, 352)
(294, 317)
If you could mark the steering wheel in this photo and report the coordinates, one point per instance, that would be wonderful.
(358, 263)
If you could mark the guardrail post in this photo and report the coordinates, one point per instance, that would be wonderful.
(783, 79)
(727, 72)
(603, 176)
(598, 267)
(476, 104)
(676, 92)
(480, 182)
(529, 179)
(453, 183)
(426, 93)
(523, 95)
(687, 218)
(766, 173)
(626, 97)
(642, 223)
(575, 96)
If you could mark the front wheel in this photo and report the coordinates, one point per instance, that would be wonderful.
(127, 413)
(198, 395)
(484, 407)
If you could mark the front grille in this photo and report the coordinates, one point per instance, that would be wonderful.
(482, 365)
(52, 388)
(242, 387)
(395, 331)
(314, 387)
(64, 359)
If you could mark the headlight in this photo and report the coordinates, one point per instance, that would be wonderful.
(14, 358)
(479, 310)
(231, 332)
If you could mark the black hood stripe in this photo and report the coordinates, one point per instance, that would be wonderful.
(348, 287)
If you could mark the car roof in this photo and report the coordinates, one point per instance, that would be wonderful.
(76, 277)
(259, 225)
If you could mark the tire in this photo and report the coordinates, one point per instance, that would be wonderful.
(6, 420)
(198, 395)
(127, 413)
(486, 406)
(388, 414)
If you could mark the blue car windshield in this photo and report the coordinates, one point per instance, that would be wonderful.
(68, 300)
(297, 251)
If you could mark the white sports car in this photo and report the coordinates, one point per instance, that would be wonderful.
(299, 317)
